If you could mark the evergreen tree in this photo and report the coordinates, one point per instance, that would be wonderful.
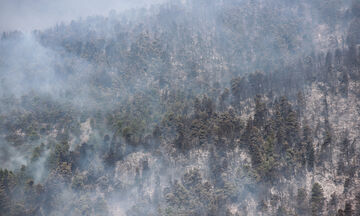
(317, 200)
(328, 68)
(310, 156)
(4, 201)
(224, 97)
(338, 56)
(260, 113)
(332, 205)
(346, 149)
(301, 103)
(348, 209)
(301, 202)
(344, 84)
(340, 213)
(257, 81)
(326, 148)
(357, 206)
(238, 86)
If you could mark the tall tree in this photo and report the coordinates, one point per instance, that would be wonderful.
(4, 201)
(357, 206)
(317, 200)
(348, 209)
(238, 88)
(301, 202)
(260, 112)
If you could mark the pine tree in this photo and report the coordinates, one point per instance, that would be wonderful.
(306, 149)
(4, 201)
(357, 206)
(338, 56)
(317, 200)
(328, 67)
(238, 86)
(310, 156)
(348, 209)
(326, 148)
(224, 97)
(347, 185)
(345, 149)
(301, 202)
(301, 103)
(256, 142)
(332, 205)
(344, 84)
(256, 81)
(340, 213)
(292, 128)
(260, 112)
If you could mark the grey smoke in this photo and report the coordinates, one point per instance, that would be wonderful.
(27, 15)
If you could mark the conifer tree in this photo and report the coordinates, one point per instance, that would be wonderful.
(317, 200)
(348, 209)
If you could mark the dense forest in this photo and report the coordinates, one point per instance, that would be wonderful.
(193, 107)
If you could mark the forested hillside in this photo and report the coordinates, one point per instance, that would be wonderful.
(194, 107)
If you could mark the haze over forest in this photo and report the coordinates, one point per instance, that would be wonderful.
(180, 107)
